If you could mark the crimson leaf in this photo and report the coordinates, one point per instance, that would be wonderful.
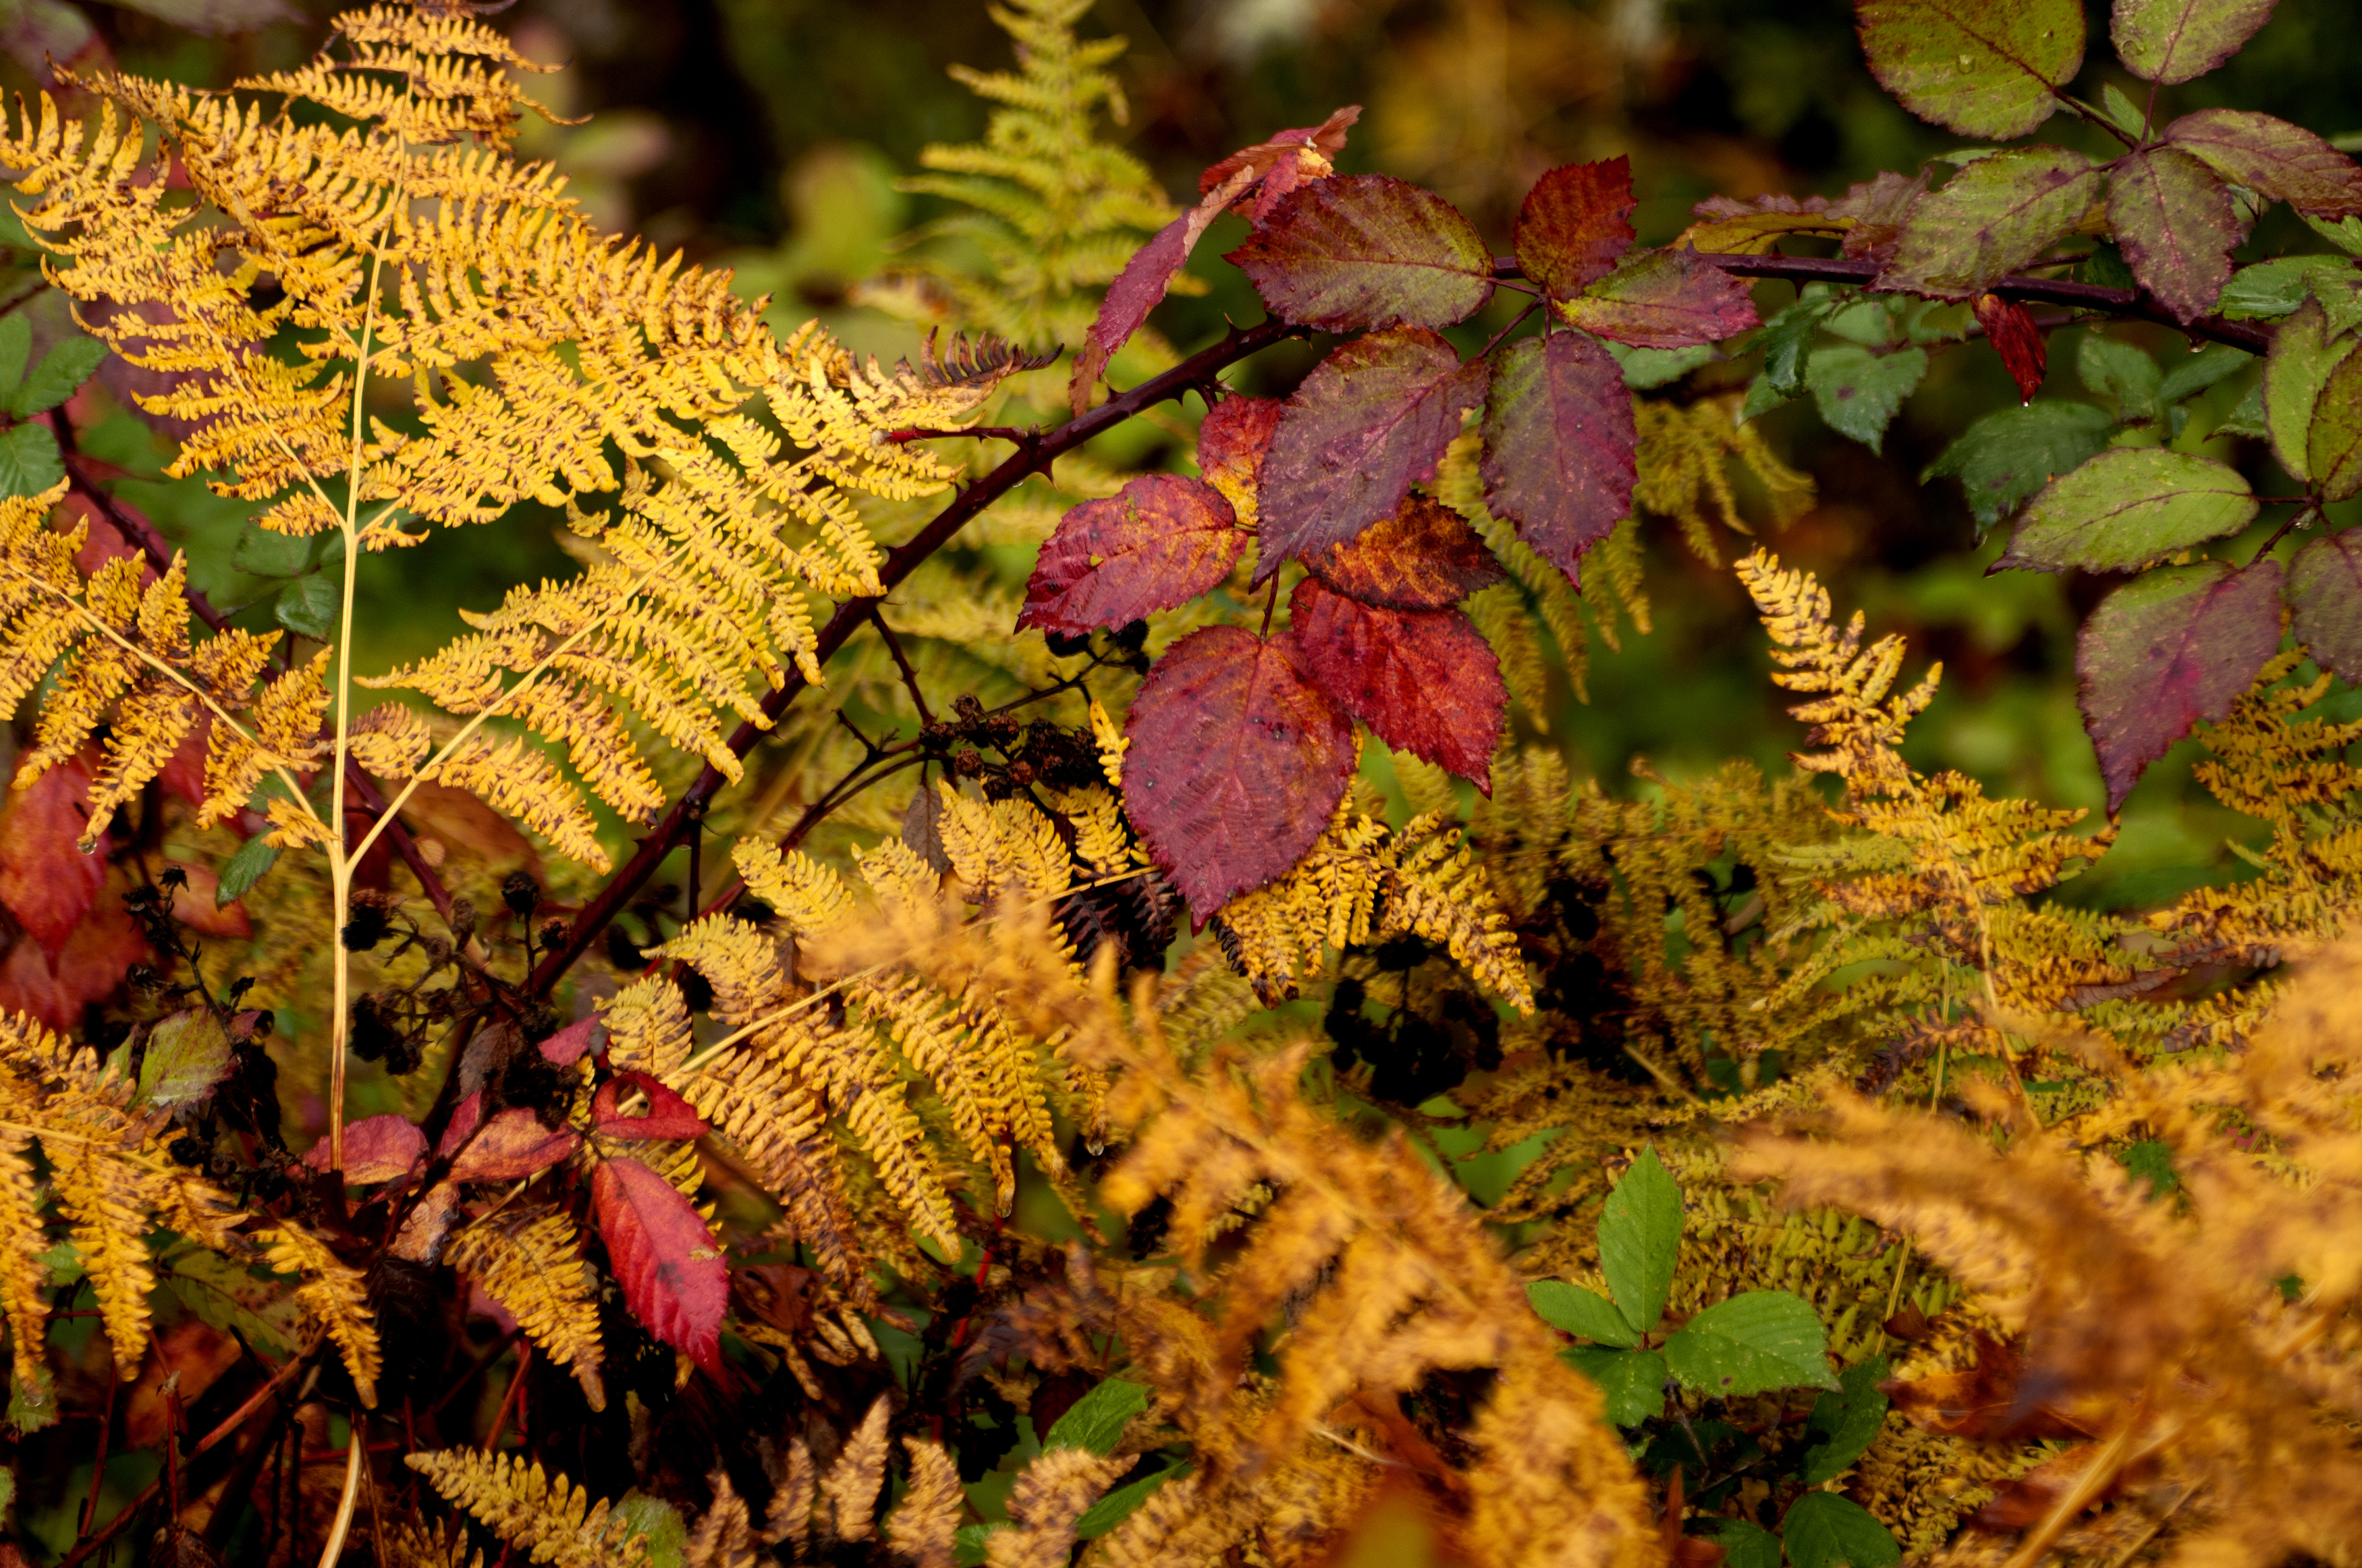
(376, 1148)
(1231, 444)
(1576, 222)
(1237, 761)
(664, 1257)
(2326, 602)
(1423, 557)
(1369, 421)
(2173, 219)
(1363, 250)
(1426, 681)
(2009, 326)
(1559, 444)
(512, 1146)
(1664, 299)
(669, 1115)
(2274, 158)
(1161, 540)
(2169, 648)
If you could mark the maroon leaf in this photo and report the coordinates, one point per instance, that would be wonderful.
(1423, 557)
(576, 1040)
(1576, 222)
(1137, 290)
(46, 883)
(1323, 141)
(669, 1115)
(2173, 218)
(667, 1261)
(376, 1148)
(1558, 441)
(1160, 541)
(1994, 217)
(513, 1146)
(2285, 162)
(1237, 761)
(1664, 299)
(2167, 41)
(1366, 250)
(1232, 442)
(2169, 649)
(2324, 596)
(1426, 681)
(1368, 422)
(2010, 327)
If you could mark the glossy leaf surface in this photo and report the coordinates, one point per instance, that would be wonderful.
(1639, 1237)
(2305, 351)
(2008, 456)
(1585, 1314)
(1631, 1382)
(1752, 1344)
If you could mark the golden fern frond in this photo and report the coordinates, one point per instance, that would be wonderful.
(532, 1264)
(335, 1294)
(445, 1546)
(724, 1536)
(1683, 455)
(549, 1517)
(401, 72)
(850, 1487)
(1048, 1501)
(923, 1527)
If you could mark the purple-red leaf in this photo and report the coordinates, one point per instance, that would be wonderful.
(2172, 215)
(1423, 557)
(1664, 299)
(2324, 596)
(1558, 442)
(1160, 541)
(1426, 681)
(1576, 222)
(1231, 444)
(1236, 762)
(46, 883)
(1369, 421)
(575, 1041)
(1291, 147)
(376, 1148)
(1137, 290)
(2273, 158)
(1994, 217)
(667, 1261)
(669, 1115)
(2009, 326)
(2167, 41)
(510, 1147)
(2166, 651)
(1366, 250)
(1983, 68)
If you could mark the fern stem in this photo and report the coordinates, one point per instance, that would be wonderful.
(358, 1451)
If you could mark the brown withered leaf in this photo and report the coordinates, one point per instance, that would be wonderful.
(1426, 681)
(1573, 224)
(46, 883)
(1237, 760)
(1560, 445)
(1160, 541)
(1425, 557)
(1286, 147)
(2033, 1497)
(1982, 1401)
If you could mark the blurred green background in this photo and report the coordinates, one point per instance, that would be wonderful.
(766, 135)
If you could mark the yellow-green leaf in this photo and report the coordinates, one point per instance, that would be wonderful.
(2173, 40)
(1983, 68)
(2126, 508)
(1995, 215)
(2304, 351)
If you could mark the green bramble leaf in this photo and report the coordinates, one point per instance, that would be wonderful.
(2325, 595)
(2332, 444)
(188, 1053)
(2008, 456)
(2167, 41)
(224, 1295)
(1858, 392)
(2172, 218)
(2151, 1160)
(2274, 158)
(1631, 1382)
(2195, 372)
(1367, 250)
(58, 375)
(2247, 418)
(1573, 224)
(1787, 343)
(1647, 369)
(268, 554)
(1983, 68)
(1559, 444)
(2169, 648)
(2128, 507)
(241, 871)
(1639, 1237)
(1825, 1530)
(1096, 1421)
(1585, 1314)
(15, 349)
(2122, 112)
(2271, 290)
(1754, 1343)
(309, 605)
(2121, 374)
(1744, 1545)
(1663, 299)
(2304, 352)
(29, 463)
(1845, 1421)
(1995, 215)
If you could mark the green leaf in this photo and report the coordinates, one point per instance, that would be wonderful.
(2123, 113)
(1649, 368)
(308, 605)
(2247, 418)
(2151, 1160)
(241, 871)
(1983, 68)
(1858, 392)
(1640, 1236)
(2120, 372)
(2332, 444)
(1845, 1421)
(227, 1296)
(2196, 372)
(2304, 351)
(1744, 1545)
(2128, 507)
(1787, 343)
(1096, 1421)
(1632, 1382)
(2008, 456)
(2324, 596)
(1585, 1314)
(1762, 397)
(1119, 1505)
(188, 1053)
(1751, 1344)
(58, 375)
(1995, 215)
(2167, 41)
(968, 1544)
(16, 347)
(1663, 299)
(266, 554)
(2172, 216)
(29, 463)
(2270, 290)
(657, 1523)
(1825, 1530)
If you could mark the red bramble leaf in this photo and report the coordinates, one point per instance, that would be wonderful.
(55, 987)
(1426, 681)
(376, 1148)
(1559, 444)
(1160, 541)
(2273, 158)
(2010, 327)
(1232, 442)
(1368, 422)
(1576, 222)
(575, 1041)
(2174, 220)
(1367, 250)
(1664, 299)
(669, 1115)
(510, 1147)
(667, 1261)
(1423, 557)
(2167, 42)
(2169, 649)
(1326, 139)
(46, 883)
(2325, 595)
(1237, 761)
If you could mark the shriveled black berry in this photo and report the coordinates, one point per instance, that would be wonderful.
(1133, 635)
(375, 1034)
(367, 926)
(188, 1151)
(553, 932)
(623, 951)
(520, 893)
(1067, 644)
